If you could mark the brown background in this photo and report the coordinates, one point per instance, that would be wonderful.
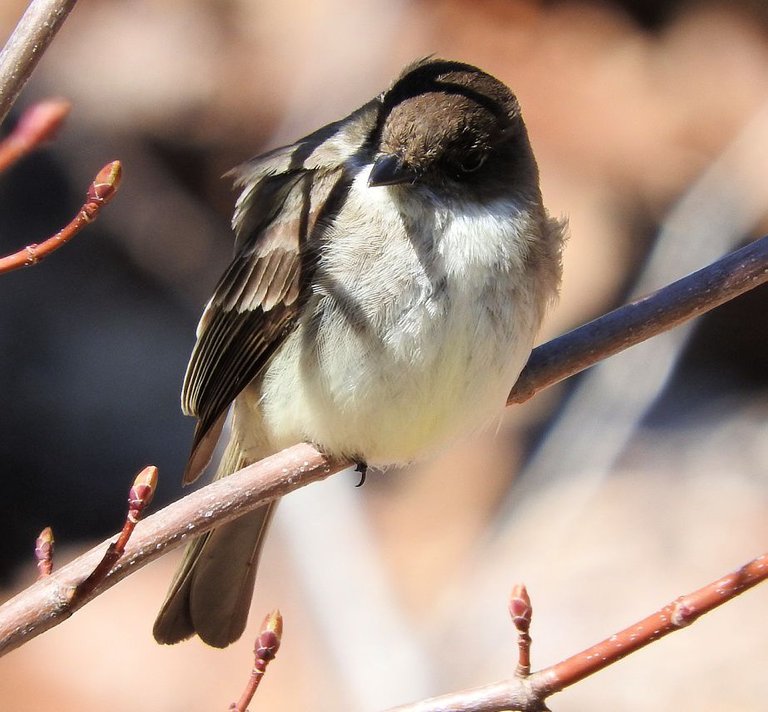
(398, 590)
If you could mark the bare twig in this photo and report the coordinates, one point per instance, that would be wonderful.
(521, 612)
(100, 192)
(44, 552)
(678, 614)
(37, 124)
(267, 645)
(35, 31)
(139, 498)
(528, 694)
(691, 296)
(47, 602)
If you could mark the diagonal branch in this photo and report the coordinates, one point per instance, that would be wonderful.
(528, 694)
(39, 123)
(676, 615)
(35, 31)
(99, 193)
(689, 297)
(49, 601)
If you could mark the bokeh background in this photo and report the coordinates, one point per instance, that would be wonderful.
(608, 496)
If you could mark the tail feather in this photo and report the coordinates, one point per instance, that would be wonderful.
(211, 593)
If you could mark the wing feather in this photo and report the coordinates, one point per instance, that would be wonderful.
(255, 305)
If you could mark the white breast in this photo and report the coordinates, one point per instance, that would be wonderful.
(424, 318)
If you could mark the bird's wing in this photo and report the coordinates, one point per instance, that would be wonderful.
(288, 195)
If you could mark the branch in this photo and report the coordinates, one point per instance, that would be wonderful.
(264, 652)
(521, 613)
(100, 192)
(37, 124)
(678, 614)
(528, 693)
(689, 297)
(51, 600)
(35, 31)
(47, 602)
(141, 494)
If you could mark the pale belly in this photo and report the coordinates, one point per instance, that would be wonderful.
(441, 370)
(418, 334)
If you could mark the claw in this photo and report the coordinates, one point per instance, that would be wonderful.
(362, 468)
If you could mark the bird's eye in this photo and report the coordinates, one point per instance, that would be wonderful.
(473, 162)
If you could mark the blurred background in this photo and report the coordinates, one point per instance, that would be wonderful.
(608, 496)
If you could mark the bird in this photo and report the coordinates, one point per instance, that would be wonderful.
(390, 273)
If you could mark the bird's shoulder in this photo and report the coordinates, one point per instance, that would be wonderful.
(323, 151)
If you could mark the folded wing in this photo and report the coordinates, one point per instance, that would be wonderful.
(288, 196)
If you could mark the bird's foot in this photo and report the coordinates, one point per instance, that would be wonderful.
(362, 468)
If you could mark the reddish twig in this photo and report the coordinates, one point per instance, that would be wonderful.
(39, 123)
(521, 612)
(139, 497)
(27, 44)
(44, 552)
(265, 650)
(528, 693)
(678, 614)
(100, 192)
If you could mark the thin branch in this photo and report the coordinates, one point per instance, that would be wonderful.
(264, 652)
(528, 694)
(521, 613)
(100, 192)
(691, 296)
(38, 124)
(678, 614)
(35, 31)
(513, 695)
(47, 602)
(141, 494)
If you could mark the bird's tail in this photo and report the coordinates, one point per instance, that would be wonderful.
(211, 593)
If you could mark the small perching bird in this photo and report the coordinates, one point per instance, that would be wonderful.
(391, 271)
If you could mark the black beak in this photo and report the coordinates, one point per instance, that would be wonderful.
(390, 170)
